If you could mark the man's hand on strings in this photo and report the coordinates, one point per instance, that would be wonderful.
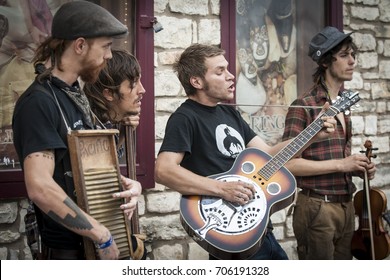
(238, 192)
(328, 127)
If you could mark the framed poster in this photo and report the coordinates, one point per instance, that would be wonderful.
(266, 69)
(271, 64)
(23, 25)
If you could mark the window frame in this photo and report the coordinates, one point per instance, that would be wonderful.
(12, 181)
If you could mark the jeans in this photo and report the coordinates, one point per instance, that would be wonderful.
(270, 249)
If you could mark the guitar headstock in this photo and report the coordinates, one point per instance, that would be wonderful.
(345, 101)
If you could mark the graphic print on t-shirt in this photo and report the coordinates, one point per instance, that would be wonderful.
(229, 141)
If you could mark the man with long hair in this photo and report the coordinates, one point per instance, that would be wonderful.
(324, 215)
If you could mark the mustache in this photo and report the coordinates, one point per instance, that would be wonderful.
(103, 65)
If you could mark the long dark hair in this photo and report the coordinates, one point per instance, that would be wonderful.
(327, 59)
(122, 66)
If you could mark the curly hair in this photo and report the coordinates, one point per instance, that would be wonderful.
(122, 66)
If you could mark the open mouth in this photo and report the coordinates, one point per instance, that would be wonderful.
(138, 100)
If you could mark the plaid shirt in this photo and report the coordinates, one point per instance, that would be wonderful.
(338, 145)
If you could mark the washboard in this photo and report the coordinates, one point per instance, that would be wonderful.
(96, 177)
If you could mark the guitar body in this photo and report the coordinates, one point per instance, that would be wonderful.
(231, 231)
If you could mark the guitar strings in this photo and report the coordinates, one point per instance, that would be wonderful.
(280, 106)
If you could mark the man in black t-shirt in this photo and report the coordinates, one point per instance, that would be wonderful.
(196, 144)
(80, 44)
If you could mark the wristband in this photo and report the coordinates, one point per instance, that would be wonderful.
(105, 244)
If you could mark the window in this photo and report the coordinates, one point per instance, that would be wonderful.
(16, 73)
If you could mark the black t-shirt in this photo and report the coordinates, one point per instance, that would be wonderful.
(210, 137)
(38, 126)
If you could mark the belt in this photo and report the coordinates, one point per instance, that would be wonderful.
(327, 197)
(61, 254)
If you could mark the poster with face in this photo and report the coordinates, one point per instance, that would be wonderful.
(265, 64)
(23, 26)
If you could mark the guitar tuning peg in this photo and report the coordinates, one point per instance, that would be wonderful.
(347, 112)
(333, 101)
(338, 97)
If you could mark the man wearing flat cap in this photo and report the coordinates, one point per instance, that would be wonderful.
(324, 215)
(80, 44)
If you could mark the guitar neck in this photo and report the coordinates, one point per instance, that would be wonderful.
(289, 151)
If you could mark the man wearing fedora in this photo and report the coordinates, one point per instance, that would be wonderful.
(324, 215)
(79, 46)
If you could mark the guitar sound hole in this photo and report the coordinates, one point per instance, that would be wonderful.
(247, 167)
(273, 188)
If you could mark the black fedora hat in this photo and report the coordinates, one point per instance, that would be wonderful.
(324, 41)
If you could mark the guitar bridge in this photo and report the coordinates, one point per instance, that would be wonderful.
(220, 214)
(212, 222)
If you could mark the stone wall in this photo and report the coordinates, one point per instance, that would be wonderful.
(186, 22)
(13, 241)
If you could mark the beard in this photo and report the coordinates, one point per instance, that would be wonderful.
(90, 73)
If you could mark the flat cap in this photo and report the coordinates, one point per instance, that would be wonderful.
(324, 41)
(85, 19)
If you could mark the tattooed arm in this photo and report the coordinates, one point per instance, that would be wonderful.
(51, 199)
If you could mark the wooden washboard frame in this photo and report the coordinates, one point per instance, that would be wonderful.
(96, 176)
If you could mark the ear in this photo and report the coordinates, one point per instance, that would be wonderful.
(108, 95)
(79, 45)
(196, 82)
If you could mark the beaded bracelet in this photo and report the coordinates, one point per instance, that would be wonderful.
(105, 244)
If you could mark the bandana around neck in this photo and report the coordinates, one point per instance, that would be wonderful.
(81, 101)
(78, 97)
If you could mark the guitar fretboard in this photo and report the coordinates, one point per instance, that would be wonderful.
(289, 151)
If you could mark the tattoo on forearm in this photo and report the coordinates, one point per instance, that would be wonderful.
(80, 221)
